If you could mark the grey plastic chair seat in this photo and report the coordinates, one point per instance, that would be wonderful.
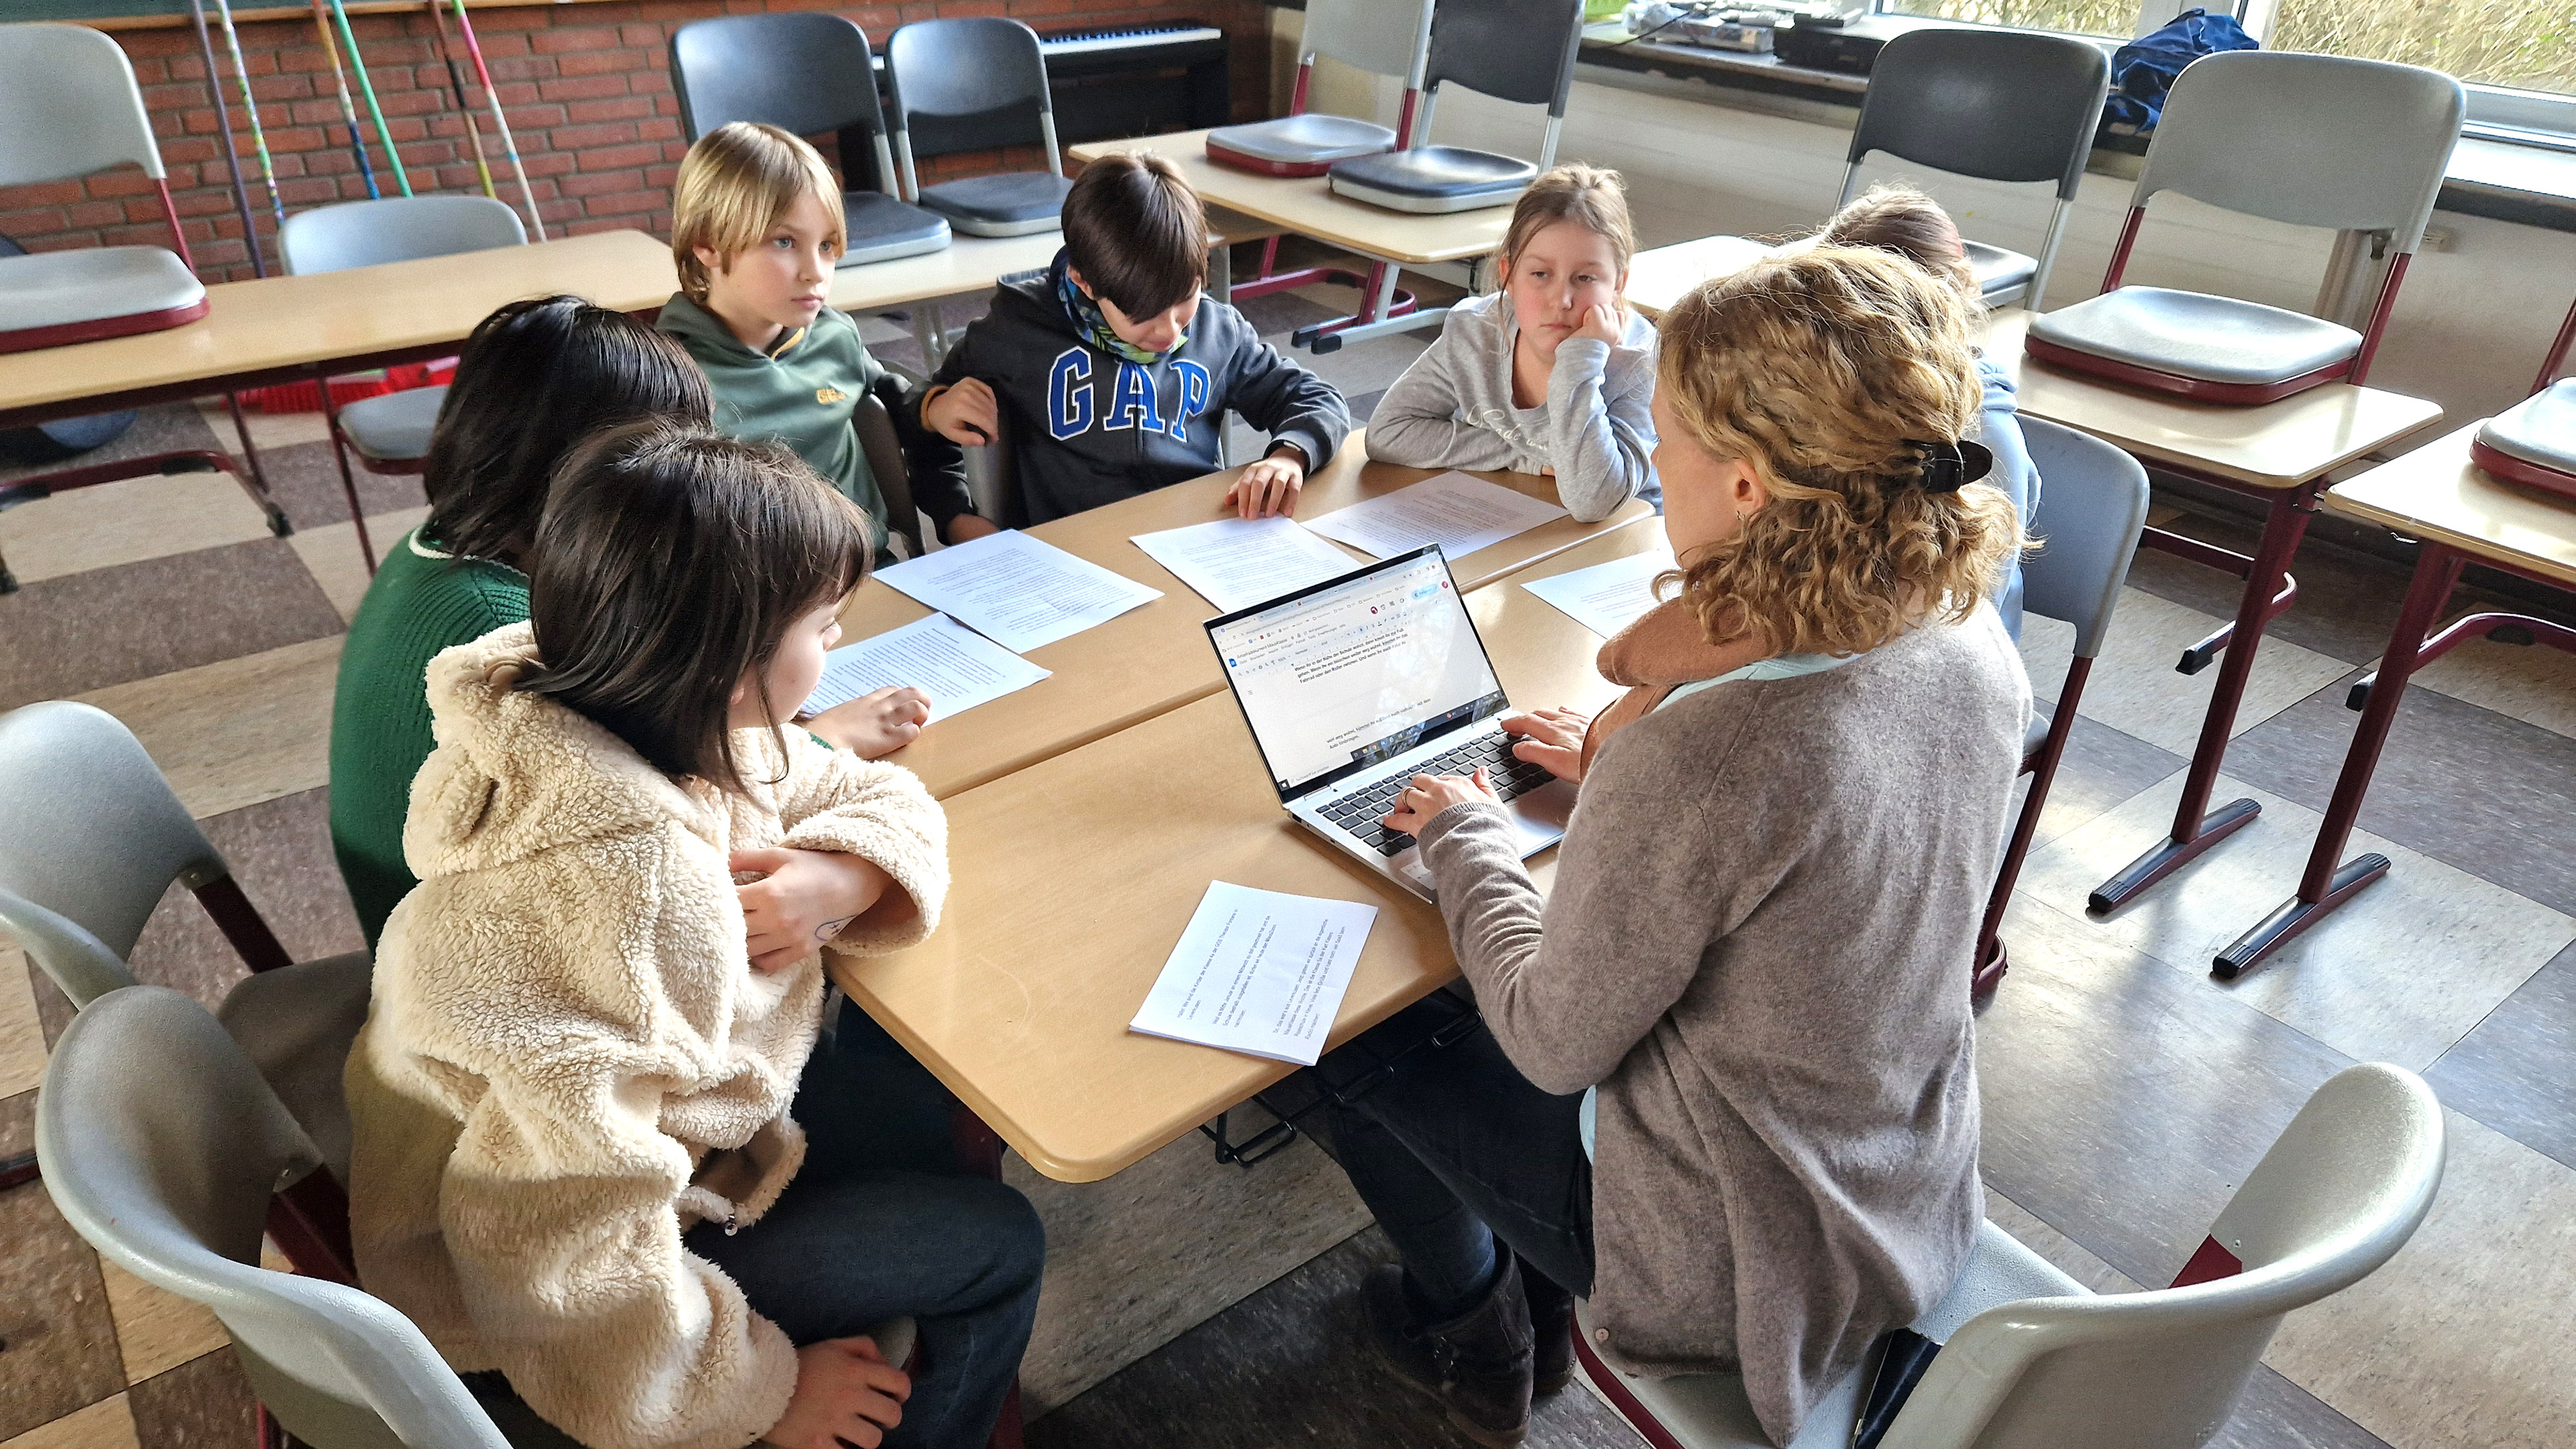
(2540, 429)
(1312, 139)
(2194, 335)
(1434, 179)
(52, 298)
(393, 428)
(296, 1024)
(1014, 204)
(1710, 1411)
(881, 228)
(2002, 276)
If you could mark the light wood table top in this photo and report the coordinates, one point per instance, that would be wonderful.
(975, 263)
(1307, 206)
(281, 324)
(2435, 492)
(1151, 660)
(1072, 879)
(1659, 278)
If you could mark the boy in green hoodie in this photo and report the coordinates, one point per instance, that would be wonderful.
(756, 231)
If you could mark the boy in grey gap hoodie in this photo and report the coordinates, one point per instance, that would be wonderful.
(1115, 374)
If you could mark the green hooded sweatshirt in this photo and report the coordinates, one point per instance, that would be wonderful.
(801, 393)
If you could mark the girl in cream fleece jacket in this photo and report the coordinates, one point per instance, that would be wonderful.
(576, 1165)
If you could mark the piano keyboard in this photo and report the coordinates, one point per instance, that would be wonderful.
(1090, 41)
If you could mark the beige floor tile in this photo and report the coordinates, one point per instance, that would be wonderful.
(125, 522)
(157, 1329)
(2534, 683)
(1135, 1261)
(237, 732)
(107, 1424)
(267, 430)
(2068, 1256)
(2462, 1338)
(330, 553)
(2402, 971)
(22, 1035)
(2134, 688)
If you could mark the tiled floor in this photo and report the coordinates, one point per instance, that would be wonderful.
(2126, 1091)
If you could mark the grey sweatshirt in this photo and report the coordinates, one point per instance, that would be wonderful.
(1453, 409)
(1758, 949)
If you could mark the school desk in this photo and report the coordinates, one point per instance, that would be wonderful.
(1307, 206)
(1153, 659)
(1070, 881)
(2460, 516)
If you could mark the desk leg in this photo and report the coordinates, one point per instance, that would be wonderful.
(254, 479)
(2327, 885)
(2196, 827)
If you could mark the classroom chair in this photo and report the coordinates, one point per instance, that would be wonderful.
(873, 420)
(2030, 1359)
(389, 433)
(1511, 50)
(91, 838)
(2533, 443)
(2307, 140)
(976, 84)
(1999, 105)
(1391, 40)
(2092, 507)
(806, 72)
(69, 107)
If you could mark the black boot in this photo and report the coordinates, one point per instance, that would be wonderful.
(1551, 1316)
(1476, 1364)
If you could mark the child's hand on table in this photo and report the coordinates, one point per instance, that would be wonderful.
(1270, 486)
(874, 725)
(845, 1393)
(803, 900)
(1431, 794)
(965, 412)
(1603, 322)
(1551, 739)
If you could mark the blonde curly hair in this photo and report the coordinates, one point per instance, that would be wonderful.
(1827, 372)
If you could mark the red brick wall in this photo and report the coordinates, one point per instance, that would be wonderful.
(585, 87)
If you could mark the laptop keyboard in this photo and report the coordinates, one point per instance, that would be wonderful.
(1360, 812)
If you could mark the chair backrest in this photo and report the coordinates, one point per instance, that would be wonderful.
(395, 229)
(161, 1146)
(806, 72)
(2004, 105)
(1512, 50)
(873, 420)
(1383, 37)
(90, 838)
(969, 84)
(2092, 506)
(71, 106)
(2310, 140)
(2340, 1192)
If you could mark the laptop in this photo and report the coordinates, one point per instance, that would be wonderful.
(1355, 685)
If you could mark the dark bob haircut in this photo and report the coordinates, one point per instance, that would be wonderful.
(670, 563)
(535, 378)
(1134, 229)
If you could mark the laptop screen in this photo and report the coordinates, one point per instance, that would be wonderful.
(1356, 670)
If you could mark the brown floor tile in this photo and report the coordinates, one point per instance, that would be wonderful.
(203, 1404)
(60, 1342)
(307, 484)
(169, 428)
(281, 853)
(2467, 786)
(2517, 1072)
(65, 636)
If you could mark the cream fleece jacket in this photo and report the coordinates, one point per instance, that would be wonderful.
(569, 1060)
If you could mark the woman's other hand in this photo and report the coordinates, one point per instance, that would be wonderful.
(1551, 739)
(1431, 794)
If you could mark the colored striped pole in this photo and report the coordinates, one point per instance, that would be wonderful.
(465, 108)
(224, 125)
(367, 88)
(500, 119)
(348, 108)
(258, 136)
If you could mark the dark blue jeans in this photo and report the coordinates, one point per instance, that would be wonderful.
(878, 1224)
(1452, 1149)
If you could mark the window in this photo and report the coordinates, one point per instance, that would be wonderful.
(2523, 44)
(2081, 17)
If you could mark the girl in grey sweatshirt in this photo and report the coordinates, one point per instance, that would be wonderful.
(1549, 375)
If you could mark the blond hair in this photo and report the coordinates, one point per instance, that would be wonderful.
(1592, 197)
(1827, 372)
(733, 187)
(1903, 220)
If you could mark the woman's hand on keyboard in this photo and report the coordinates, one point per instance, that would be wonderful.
(1551, 739)
(1431, 794)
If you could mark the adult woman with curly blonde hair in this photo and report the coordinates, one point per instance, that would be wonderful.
(1752, 973)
